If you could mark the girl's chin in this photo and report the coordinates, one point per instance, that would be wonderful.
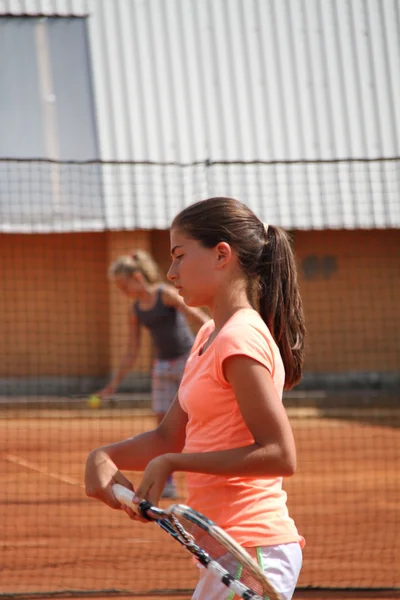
(190, 301)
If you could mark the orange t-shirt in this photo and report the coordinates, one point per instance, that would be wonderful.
(251, 509)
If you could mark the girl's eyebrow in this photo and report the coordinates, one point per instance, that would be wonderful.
(174, 248)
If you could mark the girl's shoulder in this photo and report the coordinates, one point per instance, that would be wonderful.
(246, 334)
(245, 330)
(242, 323)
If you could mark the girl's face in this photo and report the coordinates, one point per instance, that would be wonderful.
(129, 286)
(196, 271)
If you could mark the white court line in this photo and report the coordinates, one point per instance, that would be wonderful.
(34, 467)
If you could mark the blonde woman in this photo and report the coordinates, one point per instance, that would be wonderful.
(158, 307)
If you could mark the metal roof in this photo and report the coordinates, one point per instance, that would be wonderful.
(188, 80)
(48, 8)
(290, 105)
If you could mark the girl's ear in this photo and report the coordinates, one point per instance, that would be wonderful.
(224, 254)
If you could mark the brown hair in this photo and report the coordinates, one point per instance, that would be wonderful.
(266, 258)
(138, 260)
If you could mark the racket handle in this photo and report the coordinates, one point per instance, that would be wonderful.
(125, 496)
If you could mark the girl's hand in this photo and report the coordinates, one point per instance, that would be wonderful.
(100, 475)
(154, 478)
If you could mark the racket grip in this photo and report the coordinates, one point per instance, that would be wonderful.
(125, 497)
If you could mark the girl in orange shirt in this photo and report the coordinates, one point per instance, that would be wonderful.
(227, 427)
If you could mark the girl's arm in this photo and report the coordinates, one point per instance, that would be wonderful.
(103, 464)
(170, 297)
(273, 452)
(128, 359)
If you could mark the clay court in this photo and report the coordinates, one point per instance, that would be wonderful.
(56, 542)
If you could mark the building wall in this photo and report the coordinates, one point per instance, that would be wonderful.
(61, 317)
(351, 292)
(54, 305)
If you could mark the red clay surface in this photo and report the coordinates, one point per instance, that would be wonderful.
(345, 499)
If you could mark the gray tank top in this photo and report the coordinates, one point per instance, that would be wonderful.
(169, 330)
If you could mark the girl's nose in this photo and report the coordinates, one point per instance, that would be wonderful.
(171, 275)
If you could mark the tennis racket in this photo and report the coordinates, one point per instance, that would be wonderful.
(212, 546)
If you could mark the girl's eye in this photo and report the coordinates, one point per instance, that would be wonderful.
(178, 257)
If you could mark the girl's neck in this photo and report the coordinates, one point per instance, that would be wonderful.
(227, 305)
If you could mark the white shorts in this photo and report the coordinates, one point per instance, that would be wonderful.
(281, 564)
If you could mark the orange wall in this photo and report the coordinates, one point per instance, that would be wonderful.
(352, 314)
(61, 317)
(54, 305)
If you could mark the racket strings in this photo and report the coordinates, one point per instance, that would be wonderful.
(220, 554)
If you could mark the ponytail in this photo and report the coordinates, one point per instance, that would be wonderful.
(280, 302)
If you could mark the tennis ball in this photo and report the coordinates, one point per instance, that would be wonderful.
(94, 401)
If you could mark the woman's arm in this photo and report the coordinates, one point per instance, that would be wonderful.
(128, 359)
(103, 464)
(170, 297)
(273, 452)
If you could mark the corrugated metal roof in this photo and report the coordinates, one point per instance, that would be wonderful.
(188, 80)
(285, 83)
(48, 8)
(241, 80)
